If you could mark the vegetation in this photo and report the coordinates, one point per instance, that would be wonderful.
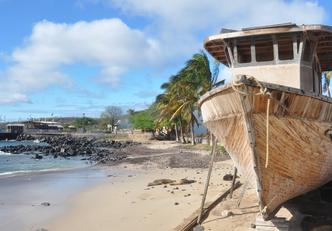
(177, 106)
(142, 119)
(84, 122)
(110, 117)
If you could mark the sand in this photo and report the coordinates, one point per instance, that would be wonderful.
(130, 205)
(118, 197)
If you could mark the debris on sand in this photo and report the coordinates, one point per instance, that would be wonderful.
(228, 177)
(160, 182)
(183, 181)
(226, 213)
(46, 204)
(171, 182)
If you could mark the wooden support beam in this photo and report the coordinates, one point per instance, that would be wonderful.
(233, 182)
(191, 222)
(213, 153)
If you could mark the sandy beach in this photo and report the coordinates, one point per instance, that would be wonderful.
(130, 205)
(115, 197)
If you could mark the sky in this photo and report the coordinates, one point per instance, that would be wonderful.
(69, 57)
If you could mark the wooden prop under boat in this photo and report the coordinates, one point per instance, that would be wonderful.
(276, 125)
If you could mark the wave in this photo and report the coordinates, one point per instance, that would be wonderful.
(5, 153)
(28, 171)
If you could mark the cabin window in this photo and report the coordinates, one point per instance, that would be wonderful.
(264, 49)
(285, 47)
(243, 51)
(307, 54)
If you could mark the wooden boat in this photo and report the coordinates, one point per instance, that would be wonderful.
(273, 120)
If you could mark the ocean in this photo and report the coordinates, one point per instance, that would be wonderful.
(12, 164)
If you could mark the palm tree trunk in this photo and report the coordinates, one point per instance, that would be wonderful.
(192, 132)
(210, 137)
(183, 140)
(176, 132)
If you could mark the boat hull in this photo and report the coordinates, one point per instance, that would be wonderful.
(297, 155)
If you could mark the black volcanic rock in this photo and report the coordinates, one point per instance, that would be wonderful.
(100, 151)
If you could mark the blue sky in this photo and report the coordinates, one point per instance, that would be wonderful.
(68, 57)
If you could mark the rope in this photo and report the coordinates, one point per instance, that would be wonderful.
(262, 90)
(267, 132)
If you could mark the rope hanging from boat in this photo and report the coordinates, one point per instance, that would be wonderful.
(267, 132)
(262, 91)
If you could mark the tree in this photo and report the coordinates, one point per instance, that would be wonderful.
(165, 107)
(84, 122)
(142, 120)
(179, 101)
(130, 111)
(110, 117)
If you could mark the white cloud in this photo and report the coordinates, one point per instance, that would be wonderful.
(174, 31)
(179, 23)
(107, 44)
(12, 97)
(196, 15)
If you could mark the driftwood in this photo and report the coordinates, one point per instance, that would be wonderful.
(161, 182)
(170, 182)
(182, 182)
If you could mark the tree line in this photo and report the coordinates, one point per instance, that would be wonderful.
(177, 105)
(176, 108)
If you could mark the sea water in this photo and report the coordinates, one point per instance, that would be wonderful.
(11, 164)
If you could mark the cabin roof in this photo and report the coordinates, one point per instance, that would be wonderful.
(215, 44)
(15, 125)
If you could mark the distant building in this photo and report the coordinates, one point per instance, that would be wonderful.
(15, 128)
(72, 128)
(43, 125)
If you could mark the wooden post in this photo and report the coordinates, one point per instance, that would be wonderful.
(233, 182)
(213, 153)
(242, 193)
(191, 221)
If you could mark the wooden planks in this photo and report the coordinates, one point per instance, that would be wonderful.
(300, 152)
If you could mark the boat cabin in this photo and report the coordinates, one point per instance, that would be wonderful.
(284, 54)
(15, 128)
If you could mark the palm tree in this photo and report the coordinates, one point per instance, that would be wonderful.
(179, 101)
(196, 79)
(167, 104)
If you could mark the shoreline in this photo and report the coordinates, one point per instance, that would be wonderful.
(41, 171)
(115, 196)
(29, 200)
(130, 204)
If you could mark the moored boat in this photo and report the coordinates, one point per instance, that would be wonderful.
(273, 119)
